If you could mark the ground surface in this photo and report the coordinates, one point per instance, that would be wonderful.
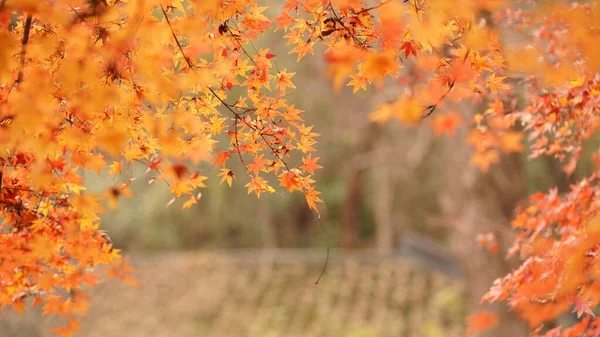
(264, 294)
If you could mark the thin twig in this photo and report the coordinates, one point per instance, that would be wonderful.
(374, 7)
(189, 63)
(341, 22)
(237, 144)
(328, 249)
(430, 109)
(240, 44)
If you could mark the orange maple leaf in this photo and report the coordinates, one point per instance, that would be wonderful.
(312, 197)
(72, 327)
(227, 176)
(511, 141)
(221, 158)
(495, 83)
(484, 159)
(445, 124)
(290, 180)
(481, 321)
(309, 164)
(258, 164)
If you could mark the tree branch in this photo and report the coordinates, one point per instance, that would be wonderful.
(227, 106)
(24, 42)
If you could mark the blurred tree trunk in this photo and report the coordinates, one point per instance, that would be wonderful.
(383, 199)
(354, 189)
(265, 223)
(351, 211)
(478, 203)
(481, 203)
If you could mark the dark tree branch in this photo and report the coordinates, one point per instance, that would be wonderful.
(24, 41)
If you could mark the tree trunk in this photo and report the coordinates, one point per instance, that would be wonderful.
(383, 200)
(479, 203)
(351, 212)
(354, 191)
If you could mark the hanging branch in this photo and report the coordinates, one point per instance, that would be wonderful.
(225, 104)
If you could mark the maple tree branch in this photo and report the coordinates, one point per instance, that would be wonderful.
(240, 44)
(417, 8)
(237, 115)
(1, 171)
(249, 41)
(432, 107)
(237, 144)
(438, 53)
(24, 41)
(373, 7)
(341, 22)
(187, 60)
(326, 256)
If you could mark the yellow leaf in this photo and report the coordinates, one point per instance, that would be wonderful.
(188, 204)
(115, 168)
(495, 83)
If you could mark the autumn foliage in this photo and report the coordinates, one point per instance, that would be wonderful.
(100, 85)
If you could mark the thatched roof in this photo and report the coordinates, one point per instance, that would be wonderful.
(247, 294)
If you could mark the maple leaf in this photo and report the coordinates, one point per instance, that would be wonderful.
(290, 180)
(197, 180)
(221, 158)
(258, 164)
(96, 162)
(122, 270)
(227, 176)
(358, 81)
(408, 110)
(180, 188)
(312, 197)
(511, 142)
(283, 80)
(115, 168)
(43, 247)
(57, 164)
(446, 124)
(488, 241)
(495, 83)
(409, 49)
(114, 193)
(309, 164)
(258, 185)
(112, 139)
(72, 327)
(484, 159)
(284, 21)
(19, 306)
(191, 201)
(481, 321)
(302, 49)
(381, 64)
(581, 307)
